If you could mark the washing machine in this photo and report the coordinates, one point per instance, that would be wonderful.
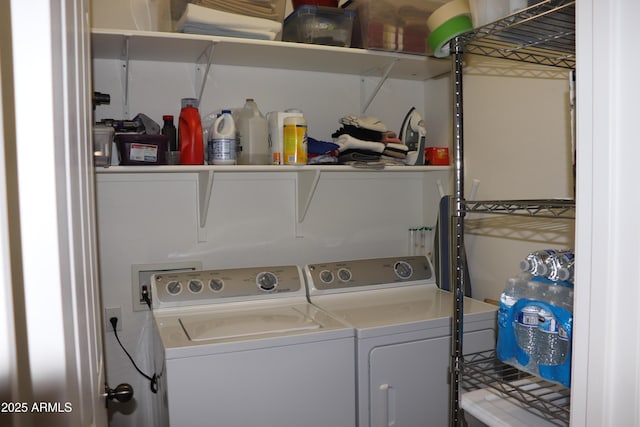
(403, 335)
(243, 347)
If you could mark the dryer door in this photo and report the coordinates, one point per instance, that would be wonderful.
(409, 384)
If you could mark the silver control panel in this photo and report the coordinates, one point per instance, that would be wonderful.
(225, 285)
(375, 272)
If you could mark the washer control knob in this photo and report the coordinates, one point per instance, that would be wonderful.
(216, 285)
(326, 276)
(267, 281)
(344, 274)
(195, 286)
(174, 287)
(403, 270)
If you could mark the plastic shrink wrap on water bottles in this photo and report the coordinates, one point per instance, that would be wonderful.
(534, 327)
(554, 335)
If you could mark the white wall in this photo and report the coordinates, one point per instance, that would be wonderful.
(518, 145)
(157, 87)
(252, 216)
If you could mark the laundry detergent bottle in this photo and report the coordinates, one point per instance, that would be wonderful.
(190, 137)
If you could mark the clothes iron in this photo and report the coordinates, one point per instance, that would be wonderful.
(413, 134)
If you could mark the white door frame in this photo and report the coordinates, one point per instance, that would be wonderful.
(49, 253)
(606, 351)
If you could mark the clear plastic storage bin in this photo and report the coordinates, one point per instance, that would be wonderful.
(320, 25)
(102, 141)
(397, 26)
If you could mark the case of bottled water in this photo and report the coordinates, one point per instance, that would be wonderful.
(535, 319)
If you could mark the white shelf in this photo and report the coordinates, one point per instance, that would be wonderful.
(263, 168)
(190, 48)
(307, 177)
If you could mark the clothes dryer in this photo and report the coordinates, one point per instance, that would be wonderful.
(403, 335)
(243, 347)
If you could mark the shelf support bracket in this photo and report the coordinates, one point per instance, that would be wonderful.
(205, 188)
(203, 63)
(306, 184)
(364, 104)
(124, 64)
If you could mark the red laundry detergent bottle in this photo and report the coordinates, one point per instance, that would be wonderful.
(190, 133)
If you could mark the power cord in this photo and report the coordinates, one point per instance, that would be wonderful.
(145, 296)
(153, 381)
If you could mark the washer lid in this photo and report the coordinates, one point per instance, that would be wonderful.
(254, 323)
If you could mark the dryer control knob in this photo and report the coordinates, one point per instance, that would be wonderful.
(403, 270)
(196, 286)
(344, 274)
(267, 281)
(174, 287)
(216, 284)
(326, 276)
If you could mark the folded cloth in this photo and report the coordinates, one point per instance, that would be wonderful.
(322, 159)
(397, 151)
(258, 8)
(365, 122)
(360, 133)
(214, 22)
(398, 147)
(347, 142)
(391, 140)
(212, 30)
(360, 156)
(315, 146)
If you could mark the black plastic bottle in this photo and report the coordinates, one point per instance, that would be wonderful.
(169, 129)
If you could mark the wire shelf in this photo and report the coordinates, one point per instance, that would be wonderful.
(548, 400)
(542, 34)
(546, 208)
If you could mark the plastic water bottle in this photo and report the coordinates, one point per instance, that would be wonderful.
(222, 145)
(553, 340)
(526, 325)
(515, 289)
(507, 347)
(547, 352)
(253, 131)
(190, 133)
(534, 262)
(560, 266)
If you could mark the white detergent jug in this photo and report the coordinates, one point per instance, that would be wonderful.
(222, 145)
(253, 131)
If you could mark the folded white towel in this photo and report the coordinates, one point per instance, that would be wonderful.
(216, 22)
(347, 142)
(266, 9)
(213, 30)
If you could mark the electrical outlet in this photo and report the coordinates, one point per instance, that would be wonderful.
(110, 312)
(141, 277)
